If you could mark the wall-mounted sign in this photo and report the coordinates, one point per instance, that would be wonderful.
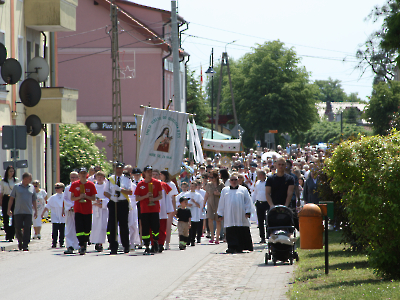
(107, 126)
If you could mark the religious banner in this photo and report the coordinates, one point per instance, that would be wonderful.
(199, 151)
(162, 139)
(221, 145)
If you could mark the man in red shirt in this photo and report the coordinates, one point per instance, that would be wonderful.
(148, 192)
(83, 192)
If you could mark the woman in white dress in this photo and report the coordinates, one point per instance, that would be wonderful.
(41, 200)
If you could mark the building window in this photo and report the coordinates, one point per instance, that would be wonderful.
(28, 52)
(37, 47)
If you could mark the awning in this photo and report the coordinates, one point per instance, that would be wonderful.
(207, 134)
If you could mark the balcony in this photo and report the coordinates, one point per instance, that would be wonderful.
(57, 106)
(51, 15)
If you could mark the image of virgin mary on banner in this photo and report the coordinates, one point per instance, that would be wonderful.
(162, 139)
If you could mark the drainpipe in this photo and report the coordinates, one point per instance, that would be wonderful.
(188, 57)
(180, 32)
(163, 65)
(44, 51)
(53, 131)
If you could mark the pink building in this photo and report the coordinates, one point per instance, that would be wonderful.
(84, 62)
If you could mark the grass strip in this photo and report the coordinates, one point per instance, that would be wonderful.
(349, 275)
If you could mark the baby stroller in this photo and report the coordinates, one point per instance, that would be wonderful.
(281, 235)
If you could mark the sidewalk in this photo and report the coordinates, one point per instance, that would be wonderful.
(42, 244)
(234, 276)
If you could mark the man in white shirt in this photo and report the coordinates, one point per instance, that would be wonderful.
(235, 209)
(55, 205)
(262, 205)
(70, 231)
(118, 189)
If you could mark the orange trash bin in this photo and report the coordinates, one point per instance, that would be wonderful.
(311, 228)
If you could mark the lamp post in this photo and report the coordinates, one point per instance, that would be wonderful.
(210, 73)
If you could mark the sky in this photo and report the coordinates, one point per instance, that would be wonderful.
(325, 34)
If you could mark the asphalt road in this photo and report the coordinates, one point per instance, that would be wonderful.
(46, 273)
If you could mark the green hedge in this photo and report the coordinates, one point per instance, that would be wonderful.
(367, 174)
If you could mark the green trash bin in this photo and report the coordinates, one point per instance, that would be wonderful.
(330, 208)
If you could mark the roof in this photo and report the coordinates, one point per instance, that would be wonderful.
(337, 107)
(150, 8)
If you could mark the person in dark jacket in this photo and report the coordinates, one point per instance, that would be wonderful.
(310, 193)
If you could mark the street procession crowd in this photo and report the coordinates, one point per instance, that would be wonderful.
(138, 209)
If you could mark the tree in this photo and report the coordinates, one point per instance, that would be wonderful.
(196, 103)
(351, 115)
(380, 51)
(78, 149)
(353, 97)
(272, 92)
(330, 90)
(385, 101)
(328, 132)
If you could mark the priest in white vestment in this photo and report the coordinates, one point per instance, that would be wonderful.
(235, 209)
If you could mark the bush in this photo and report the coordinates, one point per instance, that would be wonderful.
(341, 218)
(366, 172)
(78, 149)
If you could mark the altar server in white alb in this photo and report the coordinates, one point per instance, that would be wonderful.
(100, 213)
(70, 231)
(235, 209)
(195, 204)
(134, 237)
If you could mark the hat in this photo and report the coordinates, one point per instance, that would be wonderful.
(136, 171)
(83, 169)
(119, 164)
(183, 199)
(254, 165)
(147, 168)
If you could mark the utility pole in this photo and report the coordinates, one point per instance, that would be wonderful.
(225, 62)
(175, 56)
(212, 95)
(116, 88)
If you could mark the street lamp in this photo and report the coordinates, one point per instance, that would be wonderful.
(210, 73)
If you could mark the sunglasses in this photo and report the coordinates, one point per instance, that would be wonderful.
(35, 185)
(233, 179)
(58, 187)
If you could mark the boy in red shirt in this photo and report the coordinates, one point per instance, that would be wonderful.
(149, 207)
(83, 192)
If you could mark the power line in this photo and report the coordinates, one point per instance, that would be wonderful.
(67, 36)
(299, 55)
(127, 31)
(248, 35)
(93, 30)
(102, 51)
